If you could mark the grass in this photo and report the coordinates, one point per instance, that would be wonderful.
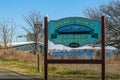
(19, 67)
(69, 74)
(26, 64)
(20, 62)
(66, 71)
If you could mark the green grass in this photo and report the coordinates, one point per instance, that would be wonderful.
(54, 73)
(15, 62)
(68, 74)
(20, 67)
(76, 72)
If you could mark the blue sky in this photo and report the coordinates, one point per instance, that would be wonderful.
(55, 9)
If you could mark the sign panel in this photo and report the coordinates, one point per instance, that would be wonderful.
(74, 31)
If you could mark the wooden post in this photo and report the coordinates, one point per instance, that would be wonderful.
(38, 62)
(45, 47)
(77, 61)
(103, 23)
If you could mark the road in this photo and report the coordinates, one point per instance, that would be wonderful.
(8, 75)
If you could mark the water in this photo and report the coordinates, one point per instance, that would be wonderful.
(88, 53)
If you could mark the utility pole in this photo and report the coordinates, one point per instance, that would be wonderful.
(37, 28)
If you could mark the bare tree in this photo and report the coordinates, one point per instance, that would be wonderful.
(34, 28)
(112, 13)
(7, 31)
(34, 31)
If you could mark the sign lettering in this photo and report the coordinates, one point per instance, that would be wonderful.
(74, 31)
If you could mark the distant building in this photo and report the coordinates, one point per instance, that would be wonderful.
(25, 46)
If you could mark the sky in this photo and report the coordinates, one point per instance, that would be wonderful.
(55, 9)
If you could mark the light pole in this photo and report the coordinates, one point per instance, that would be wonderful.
(37, 30)
(20, 36)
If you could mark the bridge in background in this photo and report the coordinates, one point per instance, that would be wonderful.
(26, 46)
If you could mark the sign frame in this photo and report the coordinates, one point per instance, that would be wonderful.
(59, 61)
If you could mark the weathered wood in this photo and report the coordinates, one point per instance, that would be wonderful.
(45, 47)
(103, 45)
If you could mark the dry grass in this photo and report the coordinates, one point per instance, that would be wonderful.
(112, 63)
(19, 61)
(112, 67)
(17, 55)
